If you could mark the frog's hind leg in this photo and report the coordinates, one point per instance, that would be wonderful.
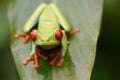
(37, 55)
(31, 55)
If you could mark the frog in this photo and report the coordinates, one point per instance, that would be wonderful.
(47, 28)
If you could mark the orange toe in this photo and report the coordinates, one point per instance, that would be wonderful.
(36, 66)
(59, 64)
(25, 62)
(52, 63)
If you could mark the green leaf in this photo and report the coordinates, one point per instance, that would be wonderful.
(80, 57)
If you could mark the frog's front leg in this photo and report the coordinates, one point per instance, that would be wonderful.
(57, 56)
(26, 37)
(34, 55)
(31, 23)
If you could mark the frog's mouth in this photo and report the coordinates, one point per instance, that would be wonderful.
(48, 45)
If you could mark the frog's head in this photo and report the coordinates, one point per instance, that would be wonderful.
(48, 39)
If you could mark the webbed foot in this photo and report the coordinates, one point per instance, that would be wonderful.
(26, 39)
(74, 31)
(56, 58)
(35, 58)
(59, 63)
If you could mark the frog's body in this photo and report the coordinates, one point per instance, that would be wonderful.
(47, 28)
(48, 25)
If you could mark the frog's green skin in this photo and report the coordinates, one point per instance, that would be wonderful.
(49, 19)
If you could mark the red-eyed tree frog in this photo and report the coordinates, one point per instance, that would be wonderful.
(48, 29)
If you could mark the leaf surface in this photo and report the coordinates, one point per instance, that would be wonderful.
(80, 57)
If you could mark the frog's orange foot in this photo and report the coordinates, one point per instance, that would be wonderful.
(54, 60)
(36, 66)
(20, 35)
(76, 30)
(59, 63)
(35, 58)
(26, 39)
(28, 60)
(56, 57)
(25, 62)
(39, 55)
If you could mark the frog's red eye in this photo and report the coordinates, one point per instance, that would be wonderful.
(33, 35)
(58, 34)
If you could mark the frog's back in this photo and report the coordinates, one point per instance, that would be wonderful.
(47, 14)
(48, 19)
(48, 25)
